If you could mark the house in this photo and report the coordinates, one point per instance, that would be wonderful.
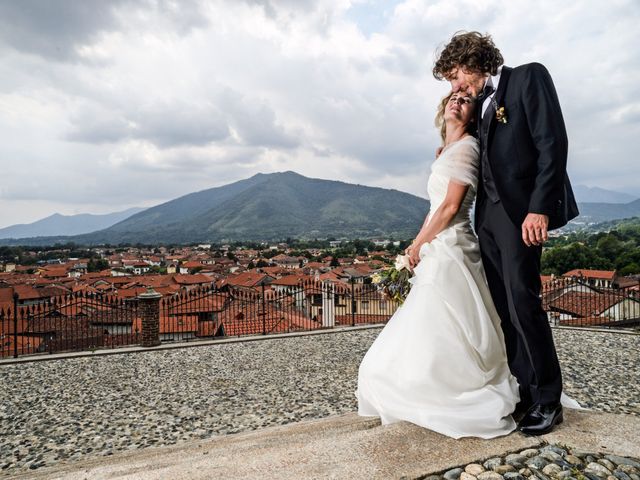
(594, 308)
(595, 278)
(247, 280)
(191, 266)
(288, 281)
(192, 280)
(285, 261)
(337, 303)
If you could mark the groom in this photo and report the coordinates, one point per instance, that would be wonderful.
(524, 192)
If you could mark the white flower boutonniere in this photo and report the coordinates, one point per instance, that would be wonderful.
(501, 113)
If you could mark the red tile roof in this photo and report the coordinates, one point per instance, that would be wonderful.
(291, 280)
(596, 274)
(584, 304)
(247, 279)
(196, 279)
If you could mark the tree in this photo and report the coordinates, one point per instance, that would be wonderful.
(560, 260)
(630, 269)
(334, 262)
(97, 265)
(609, 247)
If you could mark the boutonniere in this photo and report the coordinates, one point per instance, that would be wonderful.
(501, 113)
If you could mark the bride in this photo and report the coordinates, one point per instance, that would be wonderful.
(440, 361)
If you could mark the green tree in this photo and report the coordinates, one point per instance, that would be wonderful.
(560, 260)
(96, 265)
(609, 247)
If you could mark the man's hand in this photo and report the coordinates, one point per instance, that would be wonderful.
(534, 229)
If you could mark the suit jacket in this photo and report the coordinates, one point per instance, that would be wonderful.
(528, 153)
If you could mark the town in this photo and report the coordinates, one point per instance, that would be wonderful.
(75, 298)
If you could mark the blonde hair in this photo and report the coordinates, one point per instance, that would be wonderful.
(442, 125)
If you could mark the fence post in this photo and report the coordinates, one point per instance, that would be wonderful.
(150, 314)
(15, 325)
(353, 302)
(328, 305)
(264, 312)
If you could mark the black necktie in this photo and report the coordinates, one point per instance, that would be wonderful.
(486, 91)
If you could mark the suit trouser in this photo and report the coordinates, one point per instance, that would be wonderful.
(513, 273)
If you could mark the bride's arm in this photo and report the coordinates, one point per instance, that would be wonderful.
(413, 243)
(441, 219)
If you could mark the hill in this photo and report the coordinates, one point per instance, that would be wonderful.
(266, 207)
(593, 213)
(601, 195)
(58, 224)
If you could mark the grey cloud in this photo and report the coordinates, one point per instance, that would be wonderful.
(56, 29)
(255, 121)
(403, 61)
(97, 126)
(165, 125)
(183, 124)
(273, 8)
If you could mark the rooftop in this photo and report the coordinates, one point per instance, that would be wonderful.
(69, 412)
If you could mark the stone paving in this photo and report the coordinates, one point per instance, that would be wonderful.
(73, 408)
(557, 462)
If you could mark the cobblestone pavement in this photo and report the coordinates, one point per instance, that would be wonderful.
(557, 462)
(71, 408)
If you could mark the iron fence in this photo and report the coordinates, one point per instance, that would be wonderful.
(86, 321)
(73, 322)
(578, 302)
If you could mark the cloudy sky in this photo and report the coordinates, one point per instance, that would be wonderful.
(106, 105)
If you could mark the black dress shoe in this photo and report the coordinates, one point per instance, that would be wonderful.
(541, 419)
(522, 407)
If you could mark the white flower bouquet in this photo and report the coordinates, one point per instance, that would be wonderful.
(394, 281)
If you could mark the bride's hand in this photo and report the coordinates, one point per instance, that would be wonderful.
(413, 251)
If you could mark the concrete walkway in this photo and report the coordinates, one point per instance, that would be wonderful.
(344, 446)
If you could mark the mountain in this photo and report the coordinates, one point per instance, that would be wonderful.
(591, 212)
(266, 207)
(57, 224)
(600, 195)
(620, 225)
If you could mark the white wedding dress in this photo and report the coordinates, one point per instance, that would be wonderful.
(440, 361)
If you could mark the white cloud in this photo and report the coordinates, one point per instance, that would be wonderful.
(153, 99)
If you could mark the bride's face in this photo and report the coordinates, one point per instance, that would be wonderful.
(460, 107)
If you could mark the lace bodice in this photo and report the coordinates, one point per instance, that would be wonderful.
(458, 161)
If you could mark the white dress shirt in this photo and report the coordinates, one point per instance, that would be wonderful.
(495, 80)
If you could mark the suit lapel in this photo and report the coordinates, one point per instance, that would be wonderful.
(498, 98)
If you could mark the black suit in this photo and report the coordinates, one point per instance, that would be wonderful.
(526, 159)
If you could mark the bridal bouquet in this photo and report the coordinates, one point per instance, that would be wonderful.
(394, 281)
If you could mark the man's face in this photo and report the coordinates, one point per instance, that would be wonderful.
(466, 81)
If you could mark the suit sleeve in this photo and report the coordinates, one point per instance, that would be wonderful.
(546, 125)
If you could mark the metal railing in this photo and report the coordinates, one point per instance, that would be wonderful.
(87, 321)
(579, 302)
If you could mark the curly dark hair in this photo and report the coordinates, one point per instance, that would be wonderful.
(472, 51)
